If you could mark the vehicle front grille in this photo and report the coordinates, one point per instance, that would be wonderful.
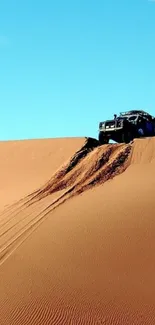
(110, 124)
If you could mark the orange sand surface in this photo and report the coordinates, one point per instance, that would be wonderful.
(77, 232)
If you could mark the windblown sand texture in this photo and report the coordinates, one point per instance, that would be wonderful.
(77, 232)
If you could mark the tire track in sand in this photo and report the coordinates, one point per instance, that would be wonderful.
(92, 165)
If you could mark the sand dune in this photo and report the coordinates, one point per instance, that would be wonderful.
(77, 235)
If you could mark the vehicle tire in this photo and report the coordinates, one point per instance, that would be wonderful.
(127, 137)
(102, 138)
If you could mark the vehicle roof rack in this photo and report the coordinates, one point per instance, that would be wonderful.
(132, 112)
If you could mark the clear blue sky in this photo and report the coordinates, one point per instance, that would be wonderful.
(66, 65)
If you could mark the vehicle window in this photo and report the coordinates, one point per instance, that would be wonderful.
(132, 118)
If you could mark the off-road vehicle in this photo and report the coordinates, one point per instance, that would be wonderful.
(126, 127)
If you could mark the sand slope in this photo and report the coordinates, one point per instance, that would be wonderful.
(27, 164)
(79, 249)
